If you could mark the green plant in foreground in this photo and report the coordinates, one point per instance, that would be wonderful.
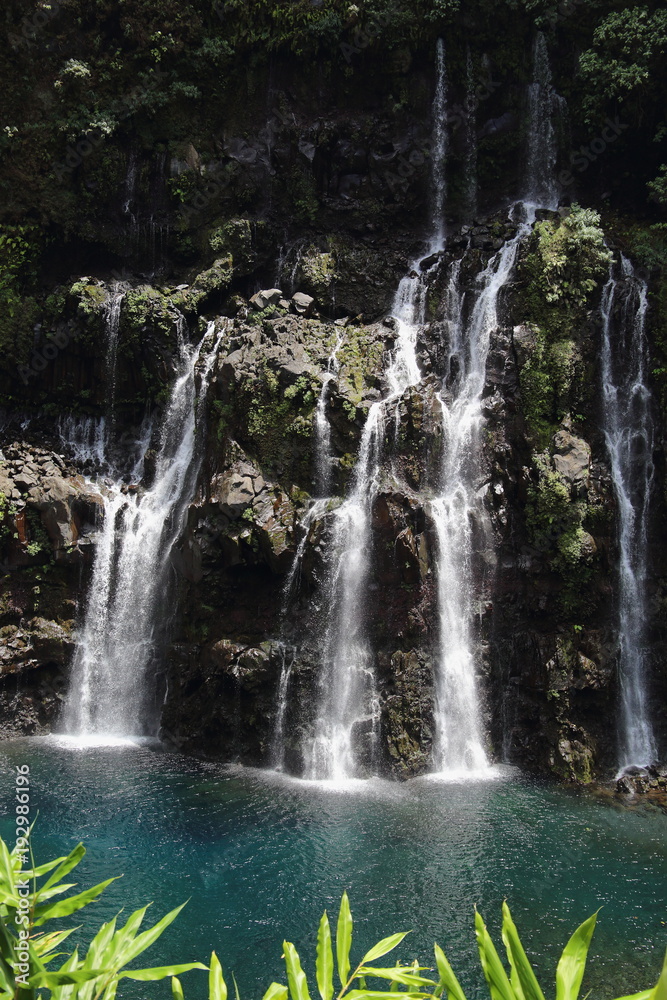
(520, 984)
(26, 951)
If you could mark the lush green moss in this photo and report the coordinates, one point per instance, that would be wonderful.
(555, 528)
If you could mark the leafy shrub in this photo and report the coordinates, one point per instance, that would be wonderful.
(572, 255)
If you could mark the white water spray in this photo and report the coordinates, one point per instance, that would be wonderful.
(110, 688)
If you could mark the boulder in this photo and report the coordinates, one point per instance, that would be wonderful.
(303, 304)
(572, 459)
(265, 298)
(233, 491)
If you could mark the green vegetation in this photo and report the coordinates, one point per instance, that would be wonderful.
(555, 524)
(564, 268)
(571, 258)
(19, 254)
(27, 953)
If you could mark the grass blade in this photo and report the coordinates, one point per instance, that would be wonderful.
(572, 962)
(324, 964)
(344, 940)
(217, 988)
(296, 977)
(523, 978)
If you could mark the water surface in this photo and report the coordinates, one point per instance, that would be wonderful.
(259, 857)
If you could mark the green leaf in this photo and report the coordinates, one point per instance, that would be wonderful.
(66, 906)
(147, 938)
(276, 991)
(523, 978)
(646, 995)
(65, 867)
(448, 980)
(383, 947)
(572, 962)
(494, 972)
(403, 975)
(160, 972)
(344, 940)
(296, 977)
(324, 963)
(47, 942)
(52, 980)
(98, 946)
(660, 991)
(7, 872)
(380, 995)
(176, 989)
(217, 988)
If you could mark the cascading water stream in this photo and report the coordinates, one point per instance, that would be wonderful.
(113, 310)
(323, 457)
(110, 690)
(348, 700)
(629, 435)
(459, 743)
(544, 105)
(439, 149)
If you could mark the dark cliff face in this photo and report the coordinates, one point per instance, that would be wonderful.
(316, 179)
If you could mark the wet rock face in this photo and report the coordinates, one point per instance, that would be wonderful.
(651, 780)
(46, 505)
(48, 517)
(543, 531)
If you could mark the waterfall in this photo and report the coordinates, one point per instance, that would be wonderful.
(317, 509)
(439, 148)
(459, 744)
(470, 139)
(348, 703)
(110, 690)
(323, 458)
(629, 436)
(542, 149)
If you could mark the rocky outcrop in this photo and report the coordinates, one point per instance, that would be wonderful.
(255, 555)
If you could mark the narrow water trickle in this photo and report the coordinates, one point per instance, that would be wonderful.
(323, 456)
(630, 436)
(439, 149)
(110, 690)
